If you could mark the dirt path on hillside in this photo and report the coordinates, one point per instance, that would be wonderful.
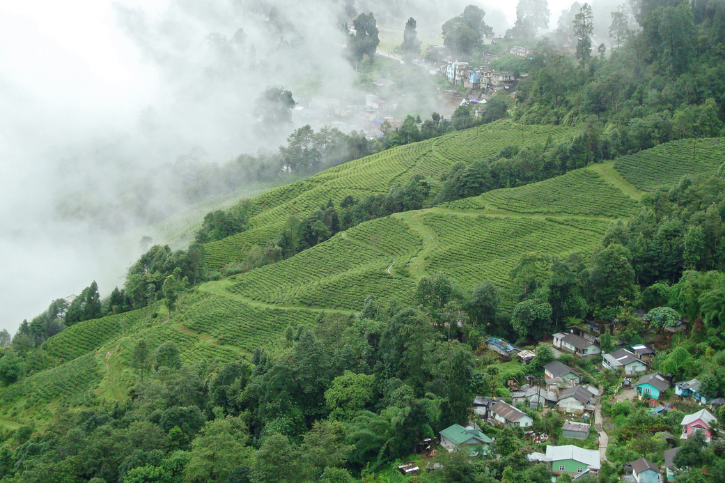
(391, 266)
(598, 424)
(108, 367)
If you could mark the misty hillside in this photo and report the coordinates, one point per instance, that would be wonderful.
(362, 241)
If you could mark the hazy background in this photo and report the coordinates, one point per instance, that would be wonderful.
(97, 98)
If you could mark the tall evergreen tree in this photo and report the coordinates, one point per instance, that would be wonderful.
(411, 44)
(583, 29)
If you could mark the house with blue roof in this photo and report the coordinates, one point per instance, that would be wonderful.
(502, 347)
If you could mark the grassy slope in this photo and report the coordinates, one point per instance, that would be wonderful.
(664, 165)
(372, 175)
(471, 240)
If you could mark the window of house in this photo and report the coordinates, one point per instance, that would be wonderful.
(647, 390)
(561, 467)
(579, 470)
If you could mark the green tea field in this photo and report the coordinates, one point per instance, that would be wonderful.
(373, 175)
(664, 165)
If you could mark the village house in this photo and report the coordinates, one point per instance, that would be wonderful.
(374, 102)
(526, 356)
(510, 416)
(572, 459)
(575, 430)
(679, 326)
(690, 388)
(566, 373)
(482, 406)
(575, 400)
(669, 465)
(456, 437)
(576, 345)
(643, 353)
(535, 397)
(380, 83)
(644, 471)
(456, 72)
(504, 78)
(652, 385)
(624, 360)
(699, 421)
(519, 51)
(502, 347)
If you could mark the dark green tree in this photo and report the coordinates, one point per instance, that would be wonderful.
(619, 29)
(483, 304)
(365, 40)
(167, 355)
(411, 44)
(142, 360)
(611, 275)
(583, 29)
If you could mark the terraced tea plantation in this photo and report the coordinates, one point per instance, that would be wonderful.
(664, 165)
(339, 273)
(476, 248)
(580, 192)
(371, 175)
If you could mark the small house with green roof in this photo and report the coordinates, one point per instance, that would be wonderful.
(456, 437)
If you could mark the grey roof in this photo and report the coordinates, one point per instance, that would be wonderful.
(642, 349)
(578, 427)
(589, 457)
(534, 392)
(693, 385)
(655, 379)
(643, 464)
(507, 411)
(482, 401)
(576, 341)
(577, 392)
(703, 415)
(557, 369)
(670, 455)
(624, 357)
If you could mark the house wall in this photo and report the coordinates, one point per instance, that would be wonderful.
(649, 389)
(525, 422)
(446, 443)
(670, 475)
(698, 425)
(647, 476)
(571, 377)
(571, 405)
(574, 434)
(634, 368)
(593, 349)
(570, 466)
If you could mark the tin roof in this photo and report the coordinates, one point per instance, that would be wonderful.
(507, 411)
(557, 369)
(589, 457)
(643, 464)
(579, 427)
(457, 434)
(702, 414)
(655, 379)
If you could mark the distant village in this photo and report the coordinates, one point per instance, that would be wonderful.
(468, 84)
(562, 389)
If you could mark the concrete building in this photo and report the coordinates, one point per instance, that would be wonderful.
(575, 400)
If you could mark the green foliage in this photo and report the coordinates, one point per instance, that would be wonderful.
(365, 40)
(463, 34)
(664, 316)
(411, 44)
(664, 165)
(580, 192)
(166, 355)
(84, 307)
(349, 394)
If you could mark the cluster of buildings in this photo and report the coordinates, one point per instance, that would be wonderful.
(463, 74)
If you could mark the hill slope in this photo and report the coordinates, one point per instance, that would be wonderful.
(373, 175)
(471, 240)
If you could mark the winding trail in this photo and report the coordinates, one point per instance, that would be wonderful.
(603, 437)
(108, 367)
(391, 266)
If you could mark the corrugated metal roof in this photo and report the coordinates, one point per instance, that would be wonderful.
(557, 369)
(507, 411)
(655, 379)
(457, 434)
(589, 457)
(572, 426)
(702, 414)
(643, 464)
(577, 392)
